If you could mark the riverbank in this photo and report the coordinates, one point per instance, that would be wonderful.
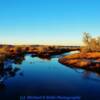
(43, 51)
(89, 61)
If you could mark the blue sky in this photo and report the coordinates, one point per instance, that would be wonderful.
(48, 21)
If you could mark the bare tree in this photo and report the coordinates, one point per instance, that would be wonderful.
(90, 44)
(93, 44)
(87, 40)
(98, 41)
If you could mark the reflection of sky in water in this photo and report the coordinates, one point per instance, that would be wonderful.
(48, 77)
(7, 71)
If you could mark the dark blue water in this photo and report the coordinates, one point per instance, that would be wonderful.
(36, 76)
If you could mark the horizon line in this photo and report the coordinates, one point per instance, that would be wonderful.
(39, 44)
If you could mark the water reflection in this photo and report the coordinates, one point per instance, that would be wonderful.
(7, 70)
(45, 58)
(42, 76)
(88, 74)
(2, 87)
(6, 73)
(19, 59)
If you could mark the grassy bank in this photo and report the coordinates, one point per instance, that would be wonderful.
(89, 61)
(43, 51)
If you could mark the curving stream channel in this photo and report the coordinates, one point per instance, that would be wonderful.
(31, 76)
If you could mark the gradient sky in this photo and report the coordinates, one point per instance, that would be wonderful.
(48, 21)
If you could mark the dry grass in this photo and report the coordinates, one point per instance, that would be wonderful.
(92, 55)
(82, 60)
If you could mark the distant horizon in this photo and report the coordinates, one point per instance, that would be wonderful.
(48, 43)
(41, 44)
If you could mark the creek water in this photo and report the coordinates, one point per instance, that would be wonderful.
(34, 76)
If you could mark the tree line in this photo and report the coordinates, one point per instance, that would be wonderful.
(91, 44)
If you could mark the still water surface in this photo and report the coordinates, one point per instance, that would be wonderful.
(36, 76)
